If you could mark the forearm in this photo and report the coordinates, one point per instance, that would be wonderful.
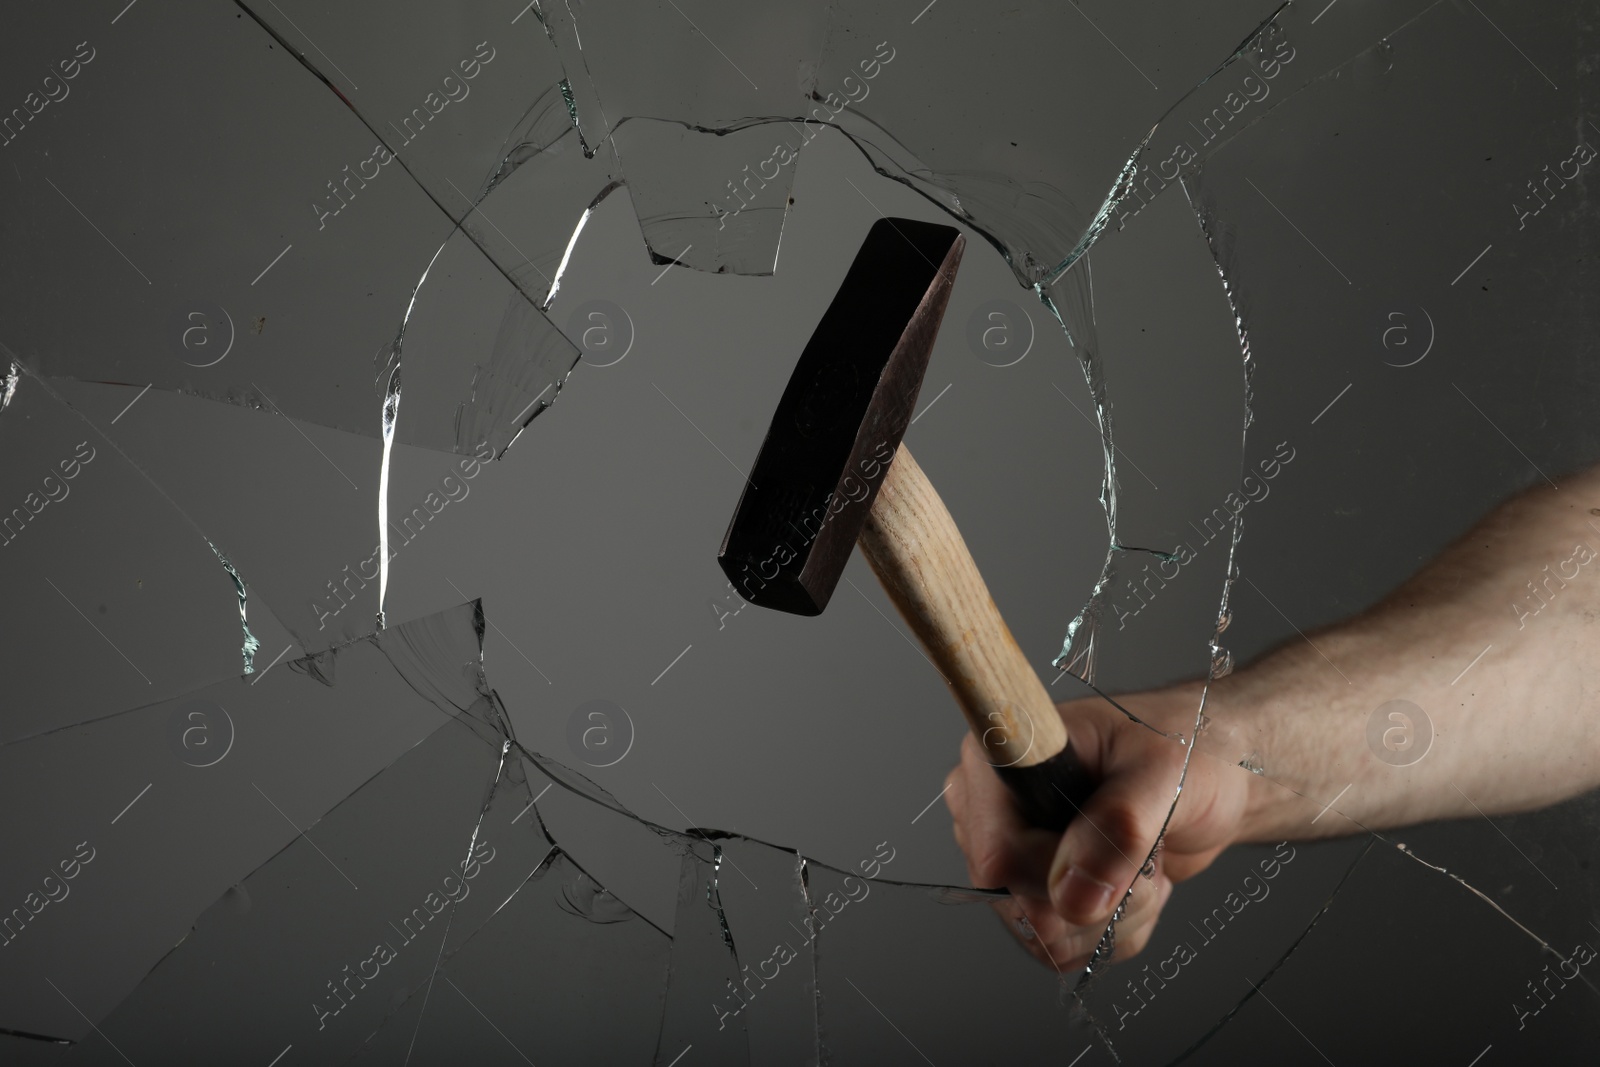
(1518, 730)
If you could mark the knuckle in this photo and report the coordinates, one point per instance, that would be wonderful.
(1128, 825)
(991, 862)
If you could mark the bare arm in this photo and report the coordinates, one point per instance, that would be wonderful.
(1514, 729)
(1517, 729)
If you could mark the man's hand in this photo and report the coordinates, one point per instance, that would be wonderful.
(1067, 885)
(1522, 731)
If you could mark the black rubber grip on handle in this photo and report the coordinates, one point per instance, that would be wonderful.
(1051, 793)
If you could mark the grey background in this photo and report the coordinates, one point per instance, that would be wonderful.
(592, 540)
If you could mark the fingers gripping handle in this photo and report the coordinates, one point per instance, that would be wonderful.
(914, 547)
(1051, 793)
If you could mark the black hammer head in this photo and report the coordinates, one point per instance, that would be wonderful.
(841, 418)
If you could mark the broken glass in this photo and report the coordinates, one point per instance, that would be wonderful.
(1263, 307)
(242, 300)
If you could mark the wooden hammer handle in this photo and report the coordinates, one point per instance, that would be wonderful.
(914, 547)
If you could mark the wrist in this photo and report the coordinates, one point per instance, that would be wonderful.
(1262, 819)
(1237, 804)
(1237, 740)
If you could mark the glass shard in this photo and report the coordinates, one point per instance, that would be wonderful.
(1262, 401)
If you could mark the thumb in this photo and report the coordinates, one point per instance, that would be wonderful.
(1106, 843)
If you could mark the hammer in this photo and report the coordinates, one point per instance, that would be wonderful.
(832, 472)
